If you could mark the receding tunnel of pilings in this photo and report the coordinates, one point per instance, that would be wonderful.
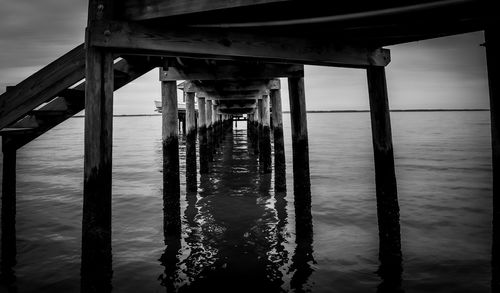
(209, 139)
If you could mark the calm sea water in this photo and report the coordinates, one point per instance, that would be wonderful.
(236, 228)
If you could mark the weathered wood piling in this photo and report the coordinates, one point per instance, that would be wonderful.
(202, 135)
(191, 172)
(385, 175)
(96, 223)
(171, 180)
(210, 130)
(493, 63)
(265, 136)
(8, 218)
(300, 149)
(256, 130)
(279, 143)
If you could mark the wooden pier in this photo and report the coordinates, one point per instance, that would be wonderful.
(231, 62)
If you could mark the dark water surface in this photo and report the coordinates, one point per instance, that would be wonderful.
(239, 235)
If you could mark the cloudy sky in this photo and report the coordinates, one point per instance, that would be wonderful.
(441, 73)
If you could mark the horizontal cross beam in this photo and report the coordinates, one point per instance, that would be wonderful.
(137, 38)
(139, 10)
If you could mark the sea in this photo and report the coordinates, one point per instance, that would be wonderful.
(237, 230)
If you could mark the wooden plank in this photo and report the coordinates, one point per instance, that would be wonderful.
(231, 85)
(150, 9)
(42, 86)
(75, 98)
(385, 175)
(231, 44)
(198, 69)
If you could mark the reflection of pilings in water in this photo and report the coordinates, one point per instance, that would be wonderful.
(235, 246)
(8, 256)
(280, 204)
(171, 180)
(302, 258)
(493, 62)
(170, 260)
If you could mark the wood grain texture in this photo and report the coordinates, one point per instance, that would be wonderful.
(75, 102)
(196, 69)
(96, 262)
(385, 175)
(493, 63)
(300, 149)
(226, 43)
(149, 9)
(42, 86)
(279, 142)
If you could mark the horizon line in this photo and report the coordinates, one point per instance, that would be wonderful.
(327, 111)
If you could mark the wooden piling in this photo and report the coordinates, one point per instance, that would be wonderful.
(202, 135)
(300, 147)
(279, 142)
(385, 176)
(191, 176)
(493, 64)
(96, 262)
(210, 131)
(265, 139)
(256, 128)
(215, 132)
(171, 180)
(8, 254)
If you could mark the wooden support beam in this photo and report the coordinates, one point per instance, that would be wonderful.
(265, 139)
(42, 86)
(279, 142)
(138, 10)
(96, 265)
(74, 99)
(256, 87)
(202, 135)
(198, 69)
(8, 254)
(493, 63)
(300, 148)
(385, 175)
(191, 174)
(171, 180)
(231, 44)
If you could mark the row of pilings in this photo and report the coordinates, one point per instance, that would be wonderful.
(96, 265)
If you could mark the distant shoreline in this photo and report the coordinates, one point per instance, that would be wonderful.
(329, 111)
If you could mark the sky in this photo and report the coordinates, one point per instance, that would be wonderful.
(433, 74)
